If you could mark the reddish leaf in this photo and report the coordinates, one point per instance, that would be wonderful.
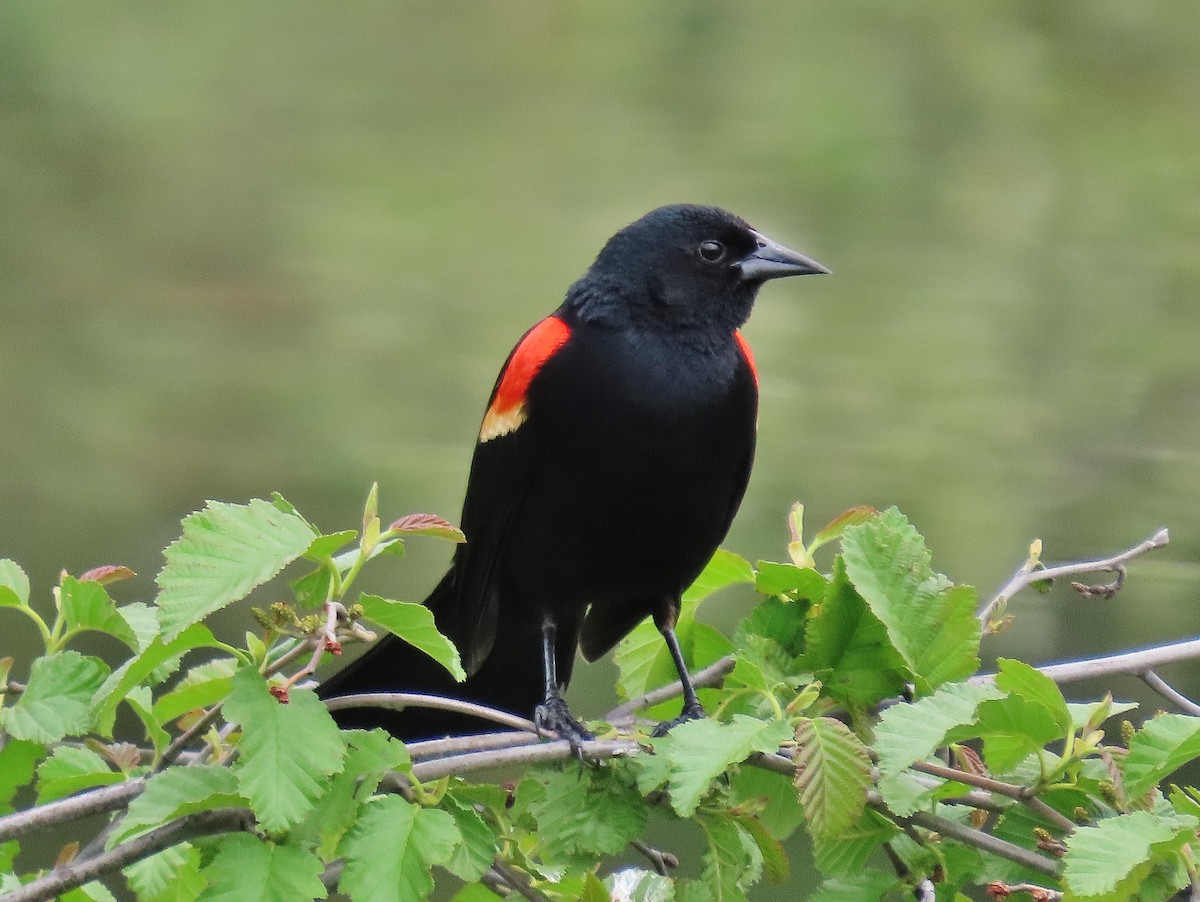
(427, 525)
(109, 573)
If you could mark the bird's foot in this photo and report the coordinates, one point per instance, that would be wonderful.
(553, 714)
(690, 712)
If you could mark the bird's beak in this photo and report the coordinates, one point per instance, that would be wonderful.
(771, 260)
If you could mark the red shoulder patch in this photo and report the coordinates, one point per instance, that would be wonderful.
(747, 353)
(507, 410)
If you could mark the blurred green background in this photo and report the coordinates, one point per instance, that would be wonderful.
(256, 247)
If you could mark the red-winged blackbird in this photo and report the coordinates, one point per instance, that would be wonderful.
(612, 457)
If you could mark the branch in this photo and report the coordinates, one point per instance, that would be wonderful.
(1022, 794)
(398, 701)
(712, 675)
(68, 876)
(457, 745)
(1169, 692)
(559, 750)
(1131, 662)
(53, 814)
(1032, 572)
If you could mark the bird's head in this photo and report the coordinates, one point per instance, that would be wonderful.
(685, 266)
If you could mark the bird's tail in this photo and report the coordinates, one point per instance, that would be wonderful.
(510, 680)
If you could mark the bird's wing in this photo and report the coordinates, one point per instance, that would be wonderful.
(500, 473)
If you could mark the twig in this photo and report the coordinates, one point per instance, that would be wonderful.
(1031, 572)
(999, 890)
(663, 862)
(1169, 692)
(184, 739)
(559, 750)
(76, 873)
(457, 745)
(520, 883)
(52, 814)
(398, 701)
(712, 675)
(1022, 794)
(1131, 662)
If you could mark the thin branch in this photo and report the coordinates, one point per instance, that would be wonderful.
(1000, 890)
(76, 873)
(457, 745)
(1022, 794)
(53, 814)
(398, 701)
(523, 756)
(1169, 692)
(1031, 572)
(1132, 662)
(712, 675)
(520, 883)
(184, 739)
(972, 837)
(663, 862)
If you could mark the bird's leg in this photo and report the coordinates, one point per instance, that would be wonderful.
(664, 619)
(553, 714)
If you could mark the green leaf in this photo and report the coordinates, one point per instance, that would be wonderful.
(1163, 745)
(1082, 713)
(1110, 860)
(475, 854)
(225, 551)
(87, 606)
(866, 887)
(782, 622)
(391, 850)
(191, 695)
(838, 525)
(414, 624)
(723, 569)
(57, 701)
(18, 758)
(700, 750)
(588, 812)
(1012, 728)
(172, 875)
(131, 673)
(847, 647)
(142, 620)
(89, 892)
(287, 752)
(909, 733)
(324, 546)
(771, 796)
(1027, 682)
(177, 791)
(788, 579)
(833, 774)
(732, 862)
(774, 858)
(245, 868)
(847, 854)
(141, 701)
(70, 769)
(930, 622)
(14, 585)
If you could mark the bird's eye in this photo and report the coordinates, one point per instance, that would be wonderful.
(711, 251)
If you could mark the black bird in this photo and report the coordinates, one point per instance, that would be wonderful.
(613, 454)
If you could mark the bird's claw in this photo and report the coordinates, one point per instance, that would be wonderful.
(690, 712)
(553, 715)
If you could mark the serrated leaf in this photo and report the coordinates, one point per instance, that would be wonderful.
(225, 551)
(475, 854)
(18, 758)
(87, 606)
(172, 875)
(1023, 680)
(909, 733)
(14, 585)
(783, 622)
(699, 750)
(847, 854)
(833, 774)
(245, 867)
(847, 647)
(1110, 860)
(94, 891)
(324, 546)
(771, 796)
(1012, 728)
(788, 579)
(192, 696)
(1163, 745)
(1082, 712)
(427, 525)
(588, 812)
(774, 859)
(287, 752)
(732, 862)
(70, 769)
(118, 685)
(142, 620)
(390, 852)
(871, 886)
(414, 624)
(929, 621)
(57, 700)
(176, 791)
